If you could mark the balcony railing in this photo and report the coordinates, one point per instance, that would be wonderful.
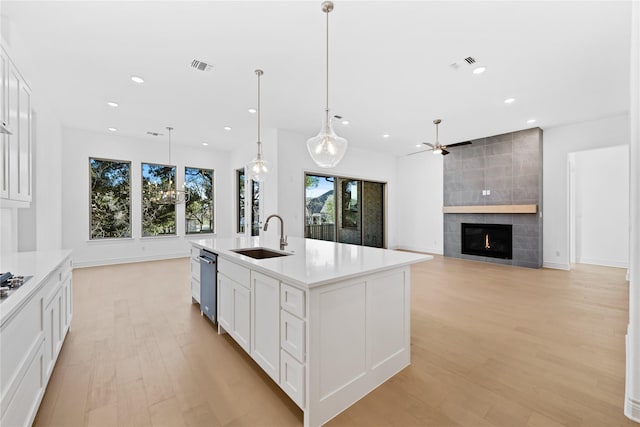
(320, 231)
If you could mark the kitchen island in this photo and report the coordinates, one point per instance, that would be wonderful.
(328, 322)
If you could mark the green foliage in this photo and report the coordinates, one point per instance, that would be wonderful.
(157, 219)
(110, 199)
(199, 207)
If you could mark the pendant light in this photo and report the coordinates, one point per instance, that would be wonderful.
(258, 168)
(327, 149)
(169, 195)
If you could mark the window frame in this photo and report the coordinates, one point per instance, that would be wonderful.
(175, 206)
(212, 202)
(130, 204)
(241, 190)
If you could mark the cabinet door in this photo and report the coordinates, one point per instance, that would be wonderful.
(67, 302)
(242, 316)
(225, 302)
(49, 343)
(13, 91)
(4, 139)
(265, 321)
(24, 145)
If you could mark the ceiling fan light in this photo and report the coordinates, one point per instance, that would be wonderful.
(437, 151)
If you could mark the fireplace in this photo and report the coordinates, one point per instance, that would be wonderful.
(490, 240)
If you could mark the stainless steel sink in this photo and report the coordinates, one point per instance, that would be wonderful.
(260, 253)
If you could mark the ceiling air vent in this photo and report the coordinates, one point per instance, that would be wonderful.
(154, 133)
(469, 60)
(201, 66)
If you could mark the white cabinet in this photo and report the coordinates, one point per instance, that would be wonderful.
(234, 302)
(195, 274)
(32, 338)
(16, 157)
(265, 322)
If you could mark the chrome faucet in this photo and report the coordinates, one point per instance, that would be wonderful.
(283, 238)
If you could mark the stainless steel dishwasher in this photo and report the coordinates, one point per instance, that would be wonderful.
(208, 283)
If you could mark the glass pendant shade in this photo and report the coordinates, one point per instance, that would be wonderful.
(258, 169)
(326, 148)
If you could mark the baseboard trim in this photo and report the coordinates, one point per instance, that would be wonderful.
(419, 249)
(129, 260)
(603, 262)
(632, 409)
(556, 266)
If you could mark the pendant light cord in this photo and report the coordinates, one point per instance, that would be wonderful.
(259, 73)
(327, 62)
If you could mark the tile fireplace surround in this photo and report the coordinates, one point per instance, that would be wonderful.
(498, 170)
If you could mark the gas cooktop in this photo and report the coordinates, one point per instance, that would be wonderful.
(10, 282)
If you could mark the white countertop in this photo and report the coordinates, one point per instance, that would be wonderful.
(38, 264)
(313, 262)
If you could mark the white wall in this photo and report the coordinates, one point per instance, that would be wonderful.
(79, 145)
(420, 199)
(558, 142)
(602, 206)
(294, 161)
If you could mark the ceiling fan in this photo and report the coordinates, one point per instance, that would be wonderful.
(438, 148)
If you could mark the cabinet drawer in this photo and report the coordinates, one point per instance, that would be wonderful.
(195, 252)
(235, 272)
(292, 378)
(292, 300)
(292, 335)
(195, 268)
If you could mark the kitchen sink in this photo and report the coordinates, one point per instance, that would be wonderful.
(260, 253)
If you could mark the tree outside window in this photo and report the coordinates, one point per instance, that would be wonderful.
(255, 205)
(198, 183)
(157, 219)
(110, 199)
(240, 208)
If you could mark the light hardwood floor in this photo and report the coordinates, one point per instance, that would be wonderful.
(492, 345)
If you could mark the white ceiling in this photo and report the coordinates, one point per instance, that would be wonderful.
(564, 62)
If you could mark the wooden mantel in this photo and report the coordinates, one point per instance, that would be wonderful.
(492, 209)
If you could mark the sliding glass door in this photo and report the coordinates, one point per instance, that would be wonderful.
(344, 210)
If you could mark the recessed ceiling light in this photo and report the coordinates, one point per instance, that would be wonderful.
(509, 100)
(345, 122)
(386, 135)
(205, 143)
(252, 110)
(137, 79)
(113, 129)
(418, 145)
(531, 121)
(112, 104)
(479, 70)
(227, 128)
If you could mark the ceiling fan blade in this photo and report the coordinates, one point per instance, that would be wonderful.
(418, 152)
(429, 144)
(444, 152)
(457, 144)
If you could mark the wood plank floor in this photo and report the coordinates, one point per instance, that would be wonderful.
(492, 345)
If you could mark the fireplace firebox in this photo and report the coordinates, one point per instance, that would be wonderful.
(489, 240)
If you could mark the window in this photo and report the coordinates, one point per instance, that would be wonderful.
(320, 207)
(110, 199)
(198, 183)
(255, 205)
(158, 219)
(241, 195)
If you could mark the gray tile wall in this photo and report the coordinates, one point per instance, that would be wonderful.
(510, 167)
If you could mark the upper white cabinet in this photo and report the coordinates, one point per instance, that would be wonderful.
(17, 149)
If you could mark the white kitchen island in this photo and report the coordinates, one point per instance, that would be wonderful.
(329, 322)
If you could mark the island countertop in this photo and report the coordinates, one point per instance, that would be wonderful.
(312, 262)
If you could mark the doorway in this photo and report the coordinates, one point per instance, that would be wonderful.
(599, 206)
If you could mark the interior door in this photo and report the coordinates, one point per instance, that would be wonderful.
(373, 215)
